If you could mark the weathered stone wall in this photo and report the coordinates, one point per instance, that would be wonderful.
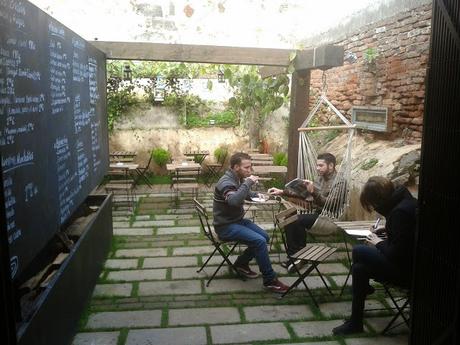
(397, 79)
(146, 127)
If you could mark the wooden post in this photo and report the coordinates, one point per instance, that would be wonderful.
(300, 93)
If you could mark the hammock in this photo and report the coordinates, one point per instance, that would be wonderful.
(338, 199)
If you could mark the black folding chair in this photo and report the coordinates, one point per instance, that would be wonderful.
(399, 297)
(309, 256)
(142, 171)
(216, 242)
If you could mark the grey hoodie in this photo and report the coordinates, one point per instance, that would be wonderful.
(229, 196)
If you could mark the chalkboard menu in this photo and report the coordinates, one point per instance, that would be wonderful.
(53, 126)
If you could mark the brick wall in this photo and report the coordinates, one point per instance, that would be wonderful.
(397, 79)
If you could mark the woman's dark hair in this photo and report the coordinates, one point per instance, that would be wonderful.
(376, 192)
(236, 158)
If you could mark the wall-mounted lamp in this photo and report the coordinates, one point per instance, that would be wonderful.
(127, 73)
(220, 76)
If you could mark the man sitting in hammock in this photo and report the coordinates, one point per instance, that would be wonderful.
(324, 192)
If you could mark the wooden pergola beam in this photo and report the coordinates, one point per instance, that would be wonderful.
(194, 53)
(321, 57)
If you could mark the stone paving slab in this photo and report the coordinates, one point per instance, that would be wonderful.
(96, 338)
(120, 218)
(340, 280)
(341, 309)
(137, 275)
(152, 223)
(132, 232)
(191, 272)
(121, 224)
(118, 290)
(173, 216)
(332, 268)
(179, 230)
(181, 211)
(193, 250)
(145, 217)
(120, 213)
(315, 328)
(217, 259)
(176, 261)
(399, 340)
(167, 336)
(232, 285)
(187, 222)
(277, 312)
(121, 263)
(174, 287)
(197, 316)
(145, 252)
(315, 343)
(313, 282)
(248, 332)
(125, 319)
(379, 324)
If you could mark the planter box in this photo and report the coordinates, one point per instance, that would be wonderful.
(60, 306)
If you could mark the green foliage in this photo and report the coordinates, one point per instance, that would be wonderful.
(221, 154)
(254, 94)
(277, 181)
(120, 96)
(161, 156)
(280, 158)
(369, 163)
(370, 55)
(331, 135)
(188, 107)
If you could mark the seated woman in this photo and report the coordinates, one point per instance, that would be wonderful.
(388, 260)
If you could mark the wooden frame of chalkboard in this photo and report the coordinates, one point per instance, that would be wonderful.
(53, 127)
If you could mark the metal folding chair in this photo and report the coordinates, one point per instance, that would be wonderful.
(311, 255)
(141, 173)
(399, 297)
(216, 242)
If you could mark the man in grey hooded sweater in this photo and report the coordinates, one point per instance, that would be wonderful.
(229, 194)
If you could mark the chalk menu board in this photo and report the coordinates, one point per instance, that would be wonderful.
(53, 126)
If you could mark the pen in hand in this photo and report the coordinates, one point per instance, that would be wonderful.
(374, 227)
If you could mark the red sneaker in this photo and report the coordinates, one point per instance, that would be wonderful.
(276, 286)
(245, 271)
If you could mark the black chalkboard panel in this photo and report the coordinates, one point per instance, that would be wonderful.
(53, 126)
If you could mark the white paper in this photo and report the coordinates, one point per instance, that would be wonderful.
(258, 199)
(358, 233)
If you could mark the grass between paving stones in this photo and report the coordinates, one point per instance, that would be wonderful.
(164, 317)
(123, 336)
(135, 290)
(236, 299)
(140, 263)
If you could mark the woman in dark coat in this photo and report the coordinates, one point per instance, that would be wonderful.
(388, 260)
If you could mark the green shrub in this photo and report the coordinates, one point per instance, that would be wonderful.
(280, 158)
(369, 163)
(221, 154)
(161, 156)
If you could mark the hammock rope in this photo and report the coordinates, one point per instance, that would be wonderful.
(338, 199)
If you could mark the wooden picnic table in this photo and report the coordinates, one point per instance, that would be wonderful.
(198, 156)
(261, 162)
(261, 156)
(268, 169)
(182, 166)
(122, 156)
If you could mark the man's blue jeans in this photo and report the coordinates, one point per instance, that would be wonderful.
(256, 239)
